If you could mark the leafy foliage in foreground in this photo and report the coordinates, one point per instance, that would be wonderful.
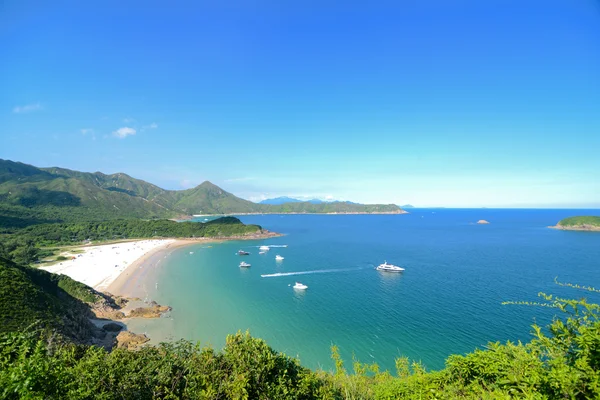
(563, 363)
(22, 246)
(246, 369)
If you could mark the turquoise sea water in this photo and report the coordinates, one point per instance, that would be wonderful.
(447, 301)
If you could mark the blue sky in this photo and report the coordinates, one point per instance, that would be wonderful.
(435, 103)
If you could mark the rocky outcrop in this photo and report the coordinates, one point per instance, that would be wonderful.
(130, 341)
(153, 311)
(582, 227)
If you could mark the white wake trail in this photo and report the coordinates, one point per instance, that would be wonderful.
(319, 271)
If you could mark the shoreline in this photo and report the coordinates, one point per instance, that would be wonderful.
(109, 267)
(576, 228)
(190, 217)
(125, 283)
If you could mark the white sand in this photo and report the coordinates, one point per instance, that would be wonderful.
(99, 266)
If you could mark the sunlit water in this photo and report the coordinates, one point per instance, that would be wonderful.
(447, 301)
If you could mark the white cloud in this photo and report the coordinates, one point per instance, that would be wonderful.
(128, 120)
(153, 125)
(188, 183)
(27, 108)
(245, 179)
(85, 131)
(122, 133)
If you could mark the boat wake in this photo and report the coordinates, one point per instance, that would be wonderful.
(319, 271)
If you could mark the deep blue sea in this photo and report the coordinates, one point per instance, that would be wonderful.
(447, 301)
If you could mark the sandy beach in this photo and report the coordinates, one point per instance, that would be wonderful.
(118, 268)
(130, 283)
(100, 266)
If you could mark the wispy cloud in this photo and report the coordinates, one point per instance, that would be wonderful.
(153, 125)
(244, 179)
(186, 183)
(128, 120)
(27, 108)
(90, 131)
(122, 133)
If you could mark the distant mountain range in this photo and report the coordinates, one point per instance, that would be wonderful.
(285, 200)
(58, 194)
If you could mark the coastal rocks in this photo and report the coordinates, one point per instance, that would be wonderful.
(107, 312)
(582, 227)
(482, 222)
(130, 341)
(109, 306)
(153, 311)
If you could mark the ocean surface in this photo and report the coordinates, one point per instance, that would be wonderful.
(448, 301)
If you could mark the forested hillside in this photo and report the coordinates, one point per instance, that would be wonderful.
(31, 195)
(26, 245)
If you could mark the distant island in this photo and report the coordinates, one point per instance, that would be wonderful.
(580, 223)
(407, 206)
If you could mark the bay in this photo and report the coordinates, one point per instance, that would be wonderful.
(448, 301)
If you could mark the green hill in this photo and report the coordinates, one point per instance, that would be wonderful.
(31, 243)
(30, 195)
(31, 296)
(581, 223)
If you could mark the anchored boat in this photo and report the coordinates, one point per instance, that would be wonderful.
(389, 267)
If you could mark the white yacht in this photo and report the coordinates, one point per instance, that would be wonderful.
(300, 286)
(278, 257)
(244, 265)
(264, 248)
(389, 268)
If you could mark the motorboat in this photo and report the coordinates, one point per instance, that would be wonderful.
(264, 248)
(278, 257)
(300, 286)
(244, 265)
(242, 253)
(261, 252)
(389, 267)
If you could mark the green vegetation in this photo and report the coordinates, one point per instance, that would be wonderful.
(52, 302)
(26, 245)
(563, 364)
(30, 195)
(580, 223)
(562, 361)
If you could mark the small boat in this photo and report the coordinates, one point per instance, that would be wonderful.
(300, 286)
(264, 248)
(242, 253)
(278, 257)
(389, 268)
(191, 252)
(244, 265)
(261, 252)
